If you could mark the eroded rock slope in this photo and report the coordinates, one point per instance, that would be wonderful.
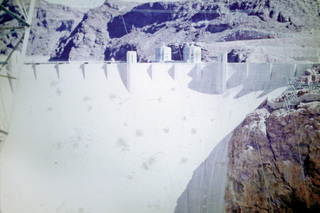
(89, 39)
(106, 33)
(274, 155)
(274, 161)
(50, 24)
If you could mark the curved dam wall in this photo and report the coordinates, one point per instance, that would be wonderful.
(80, 139)
(210, 78)
(98, 137)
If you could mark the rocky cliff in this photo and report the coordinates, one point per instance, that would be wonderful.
(149, 25)
(273, 161)
(109, 31)
(89, 39)
(274, 154)
(51, 23)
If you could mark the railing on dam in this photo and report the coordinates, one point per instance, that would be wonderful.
(210, 78)
(201, 77)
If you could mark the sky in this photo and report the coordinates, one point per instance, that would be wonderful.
(91, 3)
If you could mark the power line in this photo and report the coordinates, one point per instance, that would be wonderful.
(205, 12)
(125, 28)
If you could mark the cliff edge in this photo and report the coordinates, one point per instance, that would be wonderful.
(274, 154)
(274, 161)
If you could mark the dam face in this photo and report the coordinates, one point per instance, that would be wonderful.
(83, 139)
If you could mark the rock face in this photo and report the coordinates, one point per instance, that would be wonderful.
(149, 25)
(274, 161)
(108, 32)
(88, 40)
(103, 33)
(51, 23)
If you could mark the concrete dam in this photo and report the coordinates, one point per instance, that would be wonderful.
(120, 137)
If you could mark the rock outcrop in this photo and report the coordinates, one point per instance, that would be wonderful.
(107, 32)
(51, 23)
(274, 154)
(149, 25)
(273, 161)
(89, 39)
